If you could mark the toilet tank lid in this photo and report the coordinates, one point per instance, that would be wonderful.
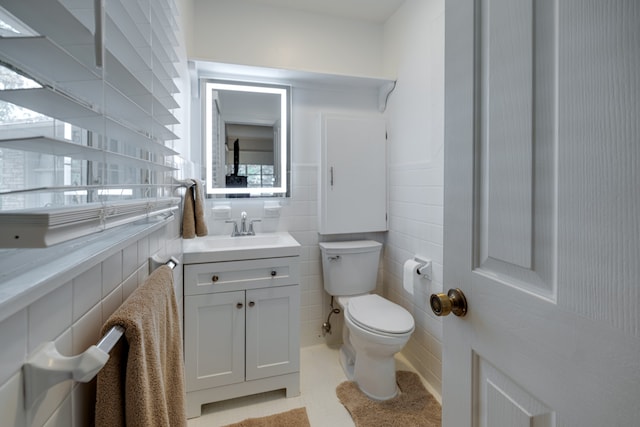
(353, 246)
(377, 313)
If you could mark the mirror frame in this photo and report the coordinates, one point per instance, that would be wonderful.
(285, 108)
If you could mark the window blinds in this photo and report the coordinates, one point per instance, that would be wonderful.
(87, 107)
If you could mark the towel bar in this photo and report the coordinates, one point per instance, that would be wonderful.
(46, 367)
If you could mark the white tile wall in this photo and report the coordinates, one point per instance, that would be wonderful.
(72, 316)
(414, 51)
(46, 319)
(416, 228)
(300, 218)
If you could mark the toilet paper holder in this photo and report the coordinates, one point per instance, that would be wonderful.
(424, 267)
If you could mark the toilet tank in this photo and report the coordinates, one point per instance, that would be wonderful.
(350, 268)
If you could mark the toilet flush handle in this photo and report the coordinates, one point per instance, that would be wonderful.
(334, 257)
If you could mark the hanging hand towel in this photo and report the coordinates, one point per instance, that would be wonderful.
(142, 383)
(193, 222)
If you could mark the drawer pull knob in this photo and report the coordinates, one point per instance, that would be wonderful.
(251, 303)
(239, 305)
(215, 278)
(273, 273)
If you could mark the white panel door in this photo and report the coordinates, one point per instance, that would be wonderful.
(542, 213)
(353, 182)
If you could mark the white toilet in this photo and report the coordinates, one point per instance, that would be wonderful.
(375, 328)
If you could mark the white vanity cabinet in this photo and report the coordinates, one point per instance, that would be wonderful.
(242, 326)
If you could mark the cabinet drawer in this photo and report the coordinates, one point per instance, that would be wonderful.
(234, 275)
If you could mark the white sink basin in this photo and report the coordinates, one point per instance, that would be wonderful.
(226, 248)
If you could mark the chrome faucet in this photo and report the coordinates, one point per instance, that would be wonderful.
(243, 224)
(244, 231)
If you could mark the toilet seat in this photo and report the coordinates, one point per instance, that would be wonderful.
(378, 315)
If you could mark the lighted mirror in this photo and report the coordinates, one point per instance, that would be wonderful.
(246, 138)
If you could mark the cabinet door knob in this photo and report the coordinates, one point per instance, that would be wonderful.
(273, 272)
(215, 278)
(251, 303)
(239, 305)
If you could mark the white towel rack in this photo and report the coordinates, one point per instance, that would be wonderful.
(46, 367)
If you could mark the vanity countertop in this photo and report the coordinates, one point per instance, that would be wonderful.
(226, 248)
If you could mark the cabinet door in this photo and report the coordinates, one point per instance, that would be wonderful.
(214, 339)
(273, 331)
(353, 184)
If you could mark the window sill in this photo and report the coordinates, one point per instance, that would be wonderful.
(30, 274)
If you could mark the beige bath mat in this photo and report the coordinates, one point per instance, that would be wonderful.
(413, 407)
(293, 418)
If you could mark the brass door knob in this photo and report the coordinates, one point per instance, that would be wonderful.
(453, 301)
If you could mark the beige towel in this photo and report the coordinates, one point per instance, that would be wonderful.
(142, 383)
(193, 222)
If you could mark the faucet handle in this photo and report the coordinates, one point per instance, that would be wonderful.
(251, 231)
(235, 231)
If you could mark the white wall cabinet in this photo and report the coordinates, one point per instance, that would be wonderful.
(353, 181)
(242, 326)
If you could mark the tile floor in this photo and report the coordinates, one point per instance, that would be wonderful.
(320, 375)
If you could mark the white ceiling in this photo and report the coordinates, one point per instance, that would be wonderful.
(366, 10)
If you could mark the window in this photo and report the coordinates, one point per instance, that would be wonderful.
(84, 126)
(258, 176)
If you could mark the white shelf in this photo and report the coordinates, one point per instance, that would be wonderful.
(301, 79)
(44, 227)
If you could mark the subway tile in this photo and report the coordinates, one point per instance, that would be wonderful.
(14, 333)
(86, 330)
(143, 250)
(155, 241)
(111, 302)
(12, 401)
(111, 273)
(87, 291)
(63, 416)
(50, 406)
(129, 285)
(129, 259)
(50, 316)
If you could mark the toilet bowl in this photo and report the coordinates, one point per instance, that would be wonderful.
(378, 329)
(375, 329)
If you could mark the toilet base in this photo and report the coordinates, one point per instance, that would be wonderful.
(347, 361)
(376, 377)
